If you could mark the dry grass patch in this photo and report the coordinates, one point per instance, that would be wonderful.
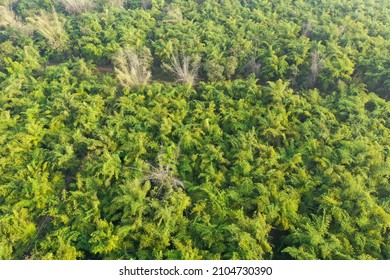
(9, 19)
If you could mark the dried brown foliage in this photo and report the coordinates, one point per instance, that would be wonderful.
(117, 3)
(163, 178)
(173, 15)
(132, 69)
(254, 67)
(50, 26)
(315, 67)
(78, 6)
(9, 19)
(185, 68)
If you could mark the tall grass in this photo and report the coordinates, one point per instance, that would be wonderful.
(9, 19)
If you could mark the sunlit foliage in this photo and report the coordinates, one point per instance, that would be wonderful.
(194, 129)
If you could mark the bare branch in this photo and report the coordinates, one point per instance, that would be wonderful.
(132, 69)
(315, 67)
(254, 67)
(163, 178)
(184, 67)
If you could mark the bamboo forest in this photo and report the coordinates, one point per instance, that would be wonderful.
(194, 129)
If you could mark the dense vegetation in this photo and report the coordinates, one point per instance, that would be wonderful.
(194, 129)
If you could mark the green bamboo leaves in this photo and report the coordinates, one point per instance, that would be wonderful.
(194, 130)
